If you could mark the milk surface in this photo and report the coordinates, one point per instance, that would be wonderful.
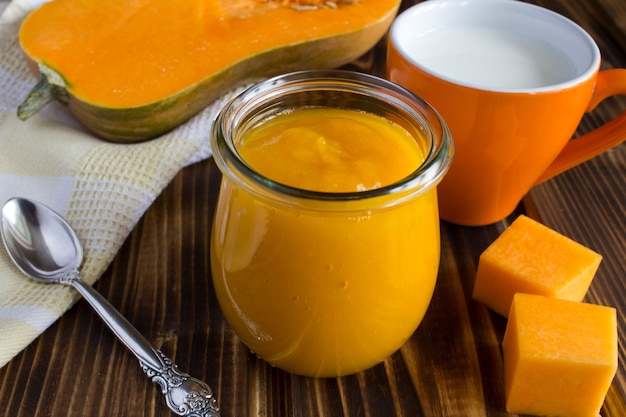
(491, 58)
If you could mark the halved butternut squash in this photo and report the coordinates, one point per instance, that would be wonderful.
(131, 70)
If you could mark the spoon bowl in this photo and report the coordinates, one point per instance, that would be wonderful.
(40, 242)
(43, 245)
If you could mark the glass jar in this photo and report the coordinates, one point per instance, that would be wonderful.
(326, 283)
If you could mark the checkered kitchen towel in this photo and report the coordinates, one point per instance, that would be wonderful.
(101, 188)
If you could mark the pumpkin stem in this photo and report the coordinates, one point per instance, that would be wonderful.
(42, 93)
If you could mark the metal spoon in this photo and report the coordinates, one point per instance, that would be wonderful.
(45, 247)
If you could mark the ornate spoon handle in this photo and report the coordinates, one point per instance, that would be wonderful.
(184, 394)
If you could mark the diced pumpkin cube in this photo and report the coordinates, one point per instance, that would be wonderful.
(531, 258)
(559, 356)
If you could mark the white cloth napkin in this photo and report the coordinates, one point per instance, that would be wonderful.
(101, 188)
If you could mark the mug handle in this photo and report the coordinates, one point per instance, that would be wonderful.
(609, 82)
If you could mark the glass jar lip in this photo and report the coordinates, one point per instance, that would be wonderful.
(423, 178)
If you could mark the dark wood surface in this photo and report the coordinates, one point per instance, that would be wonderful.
(451, 366)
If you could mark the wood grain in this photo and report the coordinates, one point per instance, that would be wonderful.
(451, 366)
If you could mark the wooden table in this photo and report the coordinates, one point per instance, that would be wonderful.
(452, 365)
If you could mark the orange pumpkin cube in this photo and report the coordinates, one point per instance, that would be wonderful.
(559, 356)
(531, 258)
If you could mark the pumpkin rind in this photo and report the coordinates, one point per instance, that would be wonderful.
(138, 123)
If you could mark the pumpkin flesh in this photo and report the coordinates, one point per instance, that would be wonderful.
(126, 54)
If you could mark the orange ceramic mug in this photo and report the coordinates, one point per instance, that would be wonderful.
(513, 81)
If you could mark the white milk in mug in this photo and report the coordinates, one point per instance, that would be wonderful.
(491, 58)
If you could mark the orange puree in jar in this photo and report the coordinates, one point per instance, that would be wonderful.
(332, 150)
(326, 288)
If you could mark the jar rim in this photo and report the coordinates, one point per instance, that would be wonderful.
(427, 175)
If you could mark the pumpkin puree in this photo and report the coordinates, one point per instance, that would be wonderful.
(331, 150)
(333, 291)
(128, 53)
